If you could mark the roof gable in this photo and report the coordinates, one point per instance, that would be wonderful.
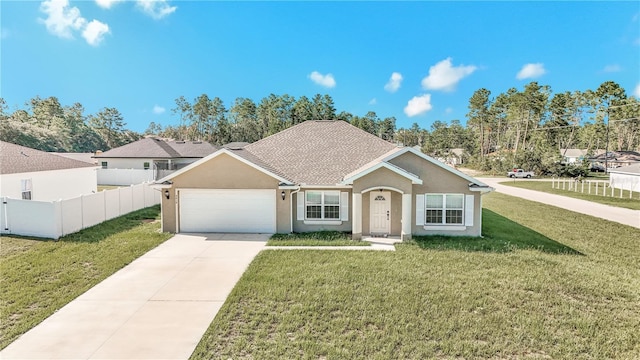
(472, 181)
(319, 152)
(238, 155)
(15, 159)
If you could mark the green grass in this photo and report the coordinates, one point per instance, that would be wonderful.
(566, 286)
(40, 276)
(318, 238)
(545, 186)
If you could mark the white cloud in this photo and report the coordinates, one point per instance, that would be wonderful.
(157, 9)
(94, 32)
(612, 68)
(636, 91)
(158, 109)
(107, 4)
(418, 105)
(444, 76)
(531, 71)
(323, 80)
(61, 19)
(373, 101)
(394, 82)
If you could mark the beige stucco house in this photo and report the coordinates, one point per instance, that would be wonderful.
(322, 175)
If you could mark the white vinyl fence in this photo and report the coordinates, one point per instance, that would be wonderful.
(53, 219)
(596, 187)
(126, 177)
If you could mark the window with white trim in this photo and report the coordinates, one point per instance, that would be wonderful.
(322, 205)
(444, 209)
(145, 165)
(103, 164)
(26, 188)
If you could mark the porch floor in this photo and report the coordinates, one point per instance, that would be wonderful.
(389, 240)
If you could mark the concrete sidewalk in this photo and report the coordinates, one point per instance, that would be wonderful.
(611, 213)
(157, 307)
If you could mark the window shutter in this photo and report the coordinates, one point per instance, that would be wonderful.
(420, 210)
(344, 206)
(300, 207)
(468, 210)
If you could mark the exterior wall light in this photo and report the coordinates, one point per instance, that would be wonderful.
(282, 194)
(166, 194)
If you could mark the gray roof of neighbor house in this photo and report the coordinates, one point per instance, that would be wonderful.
(319, 152)
(152, 148)
(629, 169)
(86, 157)
(618, 156)
(15, 159)
(573, 152)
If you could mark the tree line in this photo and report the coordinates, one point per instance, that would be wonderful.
(45, 124)
(524, 128)
(208, 119)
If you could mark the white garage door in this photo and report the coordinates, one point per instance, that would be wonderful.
(243, 211)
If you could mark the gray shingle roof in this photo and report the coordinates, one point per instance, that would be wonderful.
(86, 157)
(319, 152)
(629, 169)
(152, 148)
(15, 159)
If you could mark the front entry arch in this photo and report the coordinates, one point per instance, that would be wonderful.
(380, 212)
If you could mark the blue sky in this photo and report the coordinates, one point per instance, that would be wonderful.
(417, 61)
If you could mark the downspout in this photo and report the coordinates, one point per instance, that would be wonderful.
(291, 207)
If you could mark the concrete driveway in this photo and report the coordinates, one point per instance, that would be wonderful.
(611, 213)
(157, 307)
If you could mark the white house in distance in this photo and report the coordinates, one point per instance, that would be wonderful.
(626, 177)
(31, 174)
(148, 159)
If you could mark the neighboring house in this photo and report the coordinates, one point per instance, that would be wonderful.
(31, 174)
(626, 178)
(86, 157)
(572, 156)
(148, 159)
(322, 175)
(616, 159)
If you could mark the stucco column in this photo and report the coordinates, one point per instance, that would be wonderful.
(406, 217)
(356, 216)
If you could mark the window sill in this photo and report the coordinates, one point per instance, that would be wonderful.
(445, 227)
(323, 222)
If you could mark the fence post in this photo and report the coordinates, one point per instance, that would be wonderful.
(582, 191)
(589, 183)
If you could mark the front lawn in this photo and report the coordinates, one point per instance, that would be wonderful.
(562, 285)
(318, 238)
(39, 276)
(545, 186)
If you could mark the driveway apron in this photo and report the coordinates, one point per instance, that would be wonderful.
(157, 307)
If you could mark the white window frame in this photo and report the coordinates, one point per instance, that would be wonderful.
(26, 189)
(104, 164)
(323, 205)
(444, 210)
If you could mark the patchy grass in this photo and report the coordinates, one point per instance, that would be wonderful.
(40, 276)
(532, 299)
(107, 187)
(545, 186)
(318, 238)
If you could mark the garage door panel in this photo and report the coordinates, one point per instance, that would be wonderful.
(249, 211)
